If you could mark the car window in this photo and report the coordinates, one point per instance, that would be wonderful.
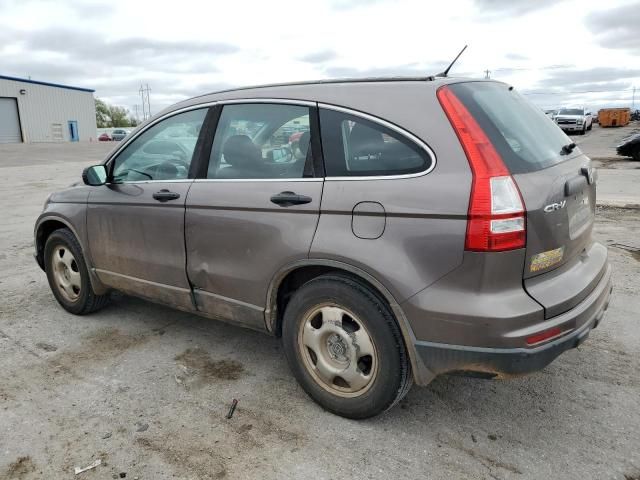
(261, 140)
(163, 152)
(524, 137)
(353, 146)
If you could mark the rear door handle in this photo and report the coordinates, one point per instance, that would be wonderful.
(287, 199)
(165, 195)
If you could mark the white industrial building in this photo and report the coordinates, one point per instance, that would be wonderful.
(34, 111)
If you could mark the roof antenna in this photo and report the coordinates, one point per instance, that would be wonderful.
(444, 74)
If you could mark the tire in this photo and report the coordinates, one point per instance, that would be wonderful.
(68, 276)
(590, 126)
(357, 365)
(584, 130)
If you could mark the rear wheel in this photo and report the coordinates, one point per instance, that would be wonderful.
(68, 275)
(345, 348)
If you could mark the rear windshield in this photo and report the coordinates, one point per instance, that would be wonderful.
(524, 136)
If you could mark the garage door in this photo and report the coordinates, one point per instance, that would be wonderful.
(9, 121)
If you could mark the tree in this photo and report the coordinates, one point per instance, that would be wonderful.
(119, 116)
(112, 116)
(102, 114)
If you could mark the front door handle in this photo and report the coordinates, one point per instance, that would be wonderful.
(287, 199)
(165, 195)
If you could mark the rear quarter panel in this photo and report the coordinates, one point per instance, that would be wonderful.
(423, 238)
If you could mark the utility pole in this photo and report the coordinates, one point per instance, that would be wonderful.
(486, 73)
(146, 102)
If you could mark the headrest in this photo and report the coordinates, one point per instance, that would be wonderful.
(240, 151)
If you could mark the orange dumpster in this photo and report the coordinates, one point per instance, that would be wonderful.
(614, 117)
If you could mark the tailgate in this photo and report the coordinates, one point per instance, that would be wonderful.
(562, 264)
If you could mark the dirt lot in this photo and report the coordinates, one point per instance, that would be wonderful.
(145, 389)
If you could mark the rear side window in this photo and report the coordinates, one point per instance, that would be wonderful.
(525, 137)
(354, 146)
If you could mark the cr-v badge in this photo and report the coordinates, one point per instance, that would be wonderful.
(552, 207)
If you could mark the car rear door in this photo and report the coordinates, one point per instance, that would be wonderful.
(558, 186)
(255, 209)
(135, 222)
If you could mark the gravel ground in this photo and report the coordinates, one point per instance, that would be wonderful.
(145, 389)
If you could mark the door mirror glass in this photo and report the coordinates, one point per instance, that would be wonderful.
(95, 176)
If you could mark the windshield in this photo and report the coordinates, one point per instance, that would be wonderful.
(525, 137)
(571, 111)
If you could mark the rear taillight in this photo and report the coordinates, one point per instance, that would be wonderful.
(497, 219)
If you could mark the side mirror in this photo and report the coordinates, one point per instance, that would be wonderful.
(95, 175)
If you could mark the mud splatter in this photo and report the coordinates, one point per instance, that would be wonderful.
(202, 463)
(47, 347)
(199, 366)
(94, 348)
(19, 469)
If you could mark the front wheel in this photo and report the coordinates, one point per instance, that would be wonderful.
(68, 275)
(345, 348)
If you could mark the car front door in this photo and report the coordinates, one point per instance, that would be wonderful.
(255, 210)
(135, 222)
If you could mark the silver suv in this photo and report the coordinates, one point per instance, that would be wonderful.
(388, 231)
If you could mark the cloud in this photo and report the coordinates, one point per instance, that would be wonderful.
(502, 8)
(572, 78)
(409, 69)
(617, 28)
(84, 44)
(351, 4)
(319, 56)
(115, 68)
(516, 56)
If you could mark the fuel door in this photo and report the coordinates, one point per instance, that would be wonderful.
(368, 220)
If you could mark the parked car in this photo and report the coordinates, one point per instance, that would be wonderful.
(104, 137)
(118, 135)
(630, 147)
(392, 250)
(574, 120)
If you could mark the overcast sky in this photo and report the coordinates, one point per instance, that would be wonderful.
(545, 48)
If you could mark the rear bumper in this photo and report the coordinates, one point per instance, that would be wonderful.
(438, 358)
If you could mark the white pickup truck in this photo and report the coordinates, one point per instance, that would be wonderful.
(574, 120)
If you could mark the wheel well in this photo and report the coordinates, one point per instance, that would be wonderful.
(44, 230)
(298, 277)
